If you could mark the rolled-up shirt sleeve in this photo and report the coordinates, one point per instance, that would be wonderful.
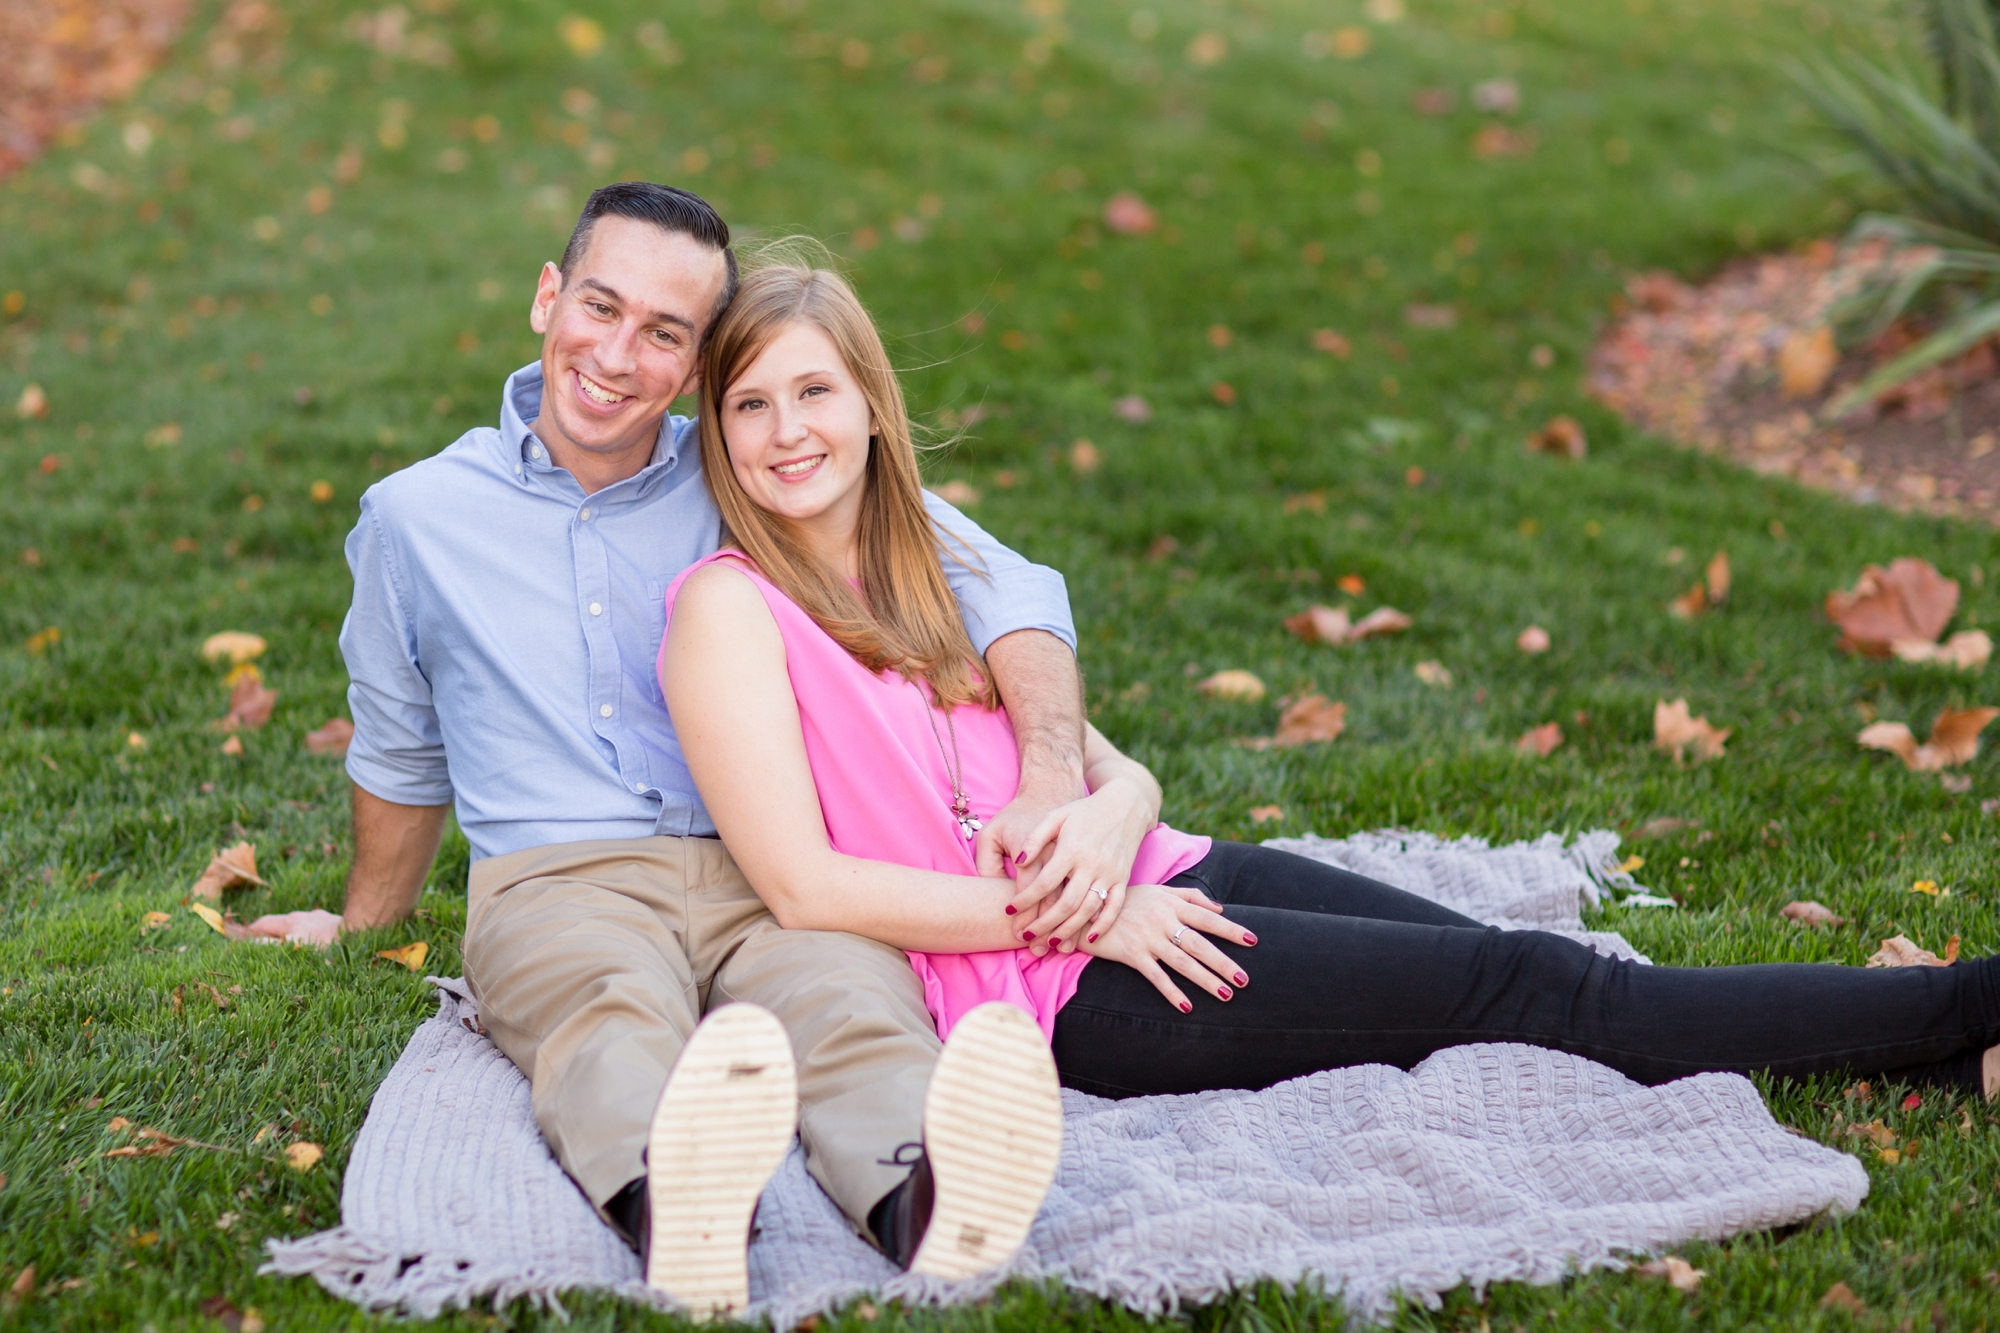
(998, 591)
(398, 747)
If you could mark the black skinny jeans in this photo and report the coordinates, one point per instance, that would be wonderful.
(1348, 971)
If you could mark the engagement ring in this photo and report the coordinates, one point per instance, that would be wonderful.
(1103, 895)
(1175, 938)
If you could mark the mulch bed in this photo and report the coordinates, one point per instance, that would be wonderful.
(63, 59)
(1745, 365)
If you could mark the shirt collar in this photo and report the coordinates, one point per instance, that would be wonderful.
(521, 403)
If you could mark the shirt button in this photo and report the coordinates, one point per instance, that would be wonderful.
(517, 469)
(596, 610)
(534, 451)
(604, 711)
(585, 516)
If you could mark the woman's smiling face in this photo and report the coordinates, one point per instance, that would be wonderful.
(797, 424)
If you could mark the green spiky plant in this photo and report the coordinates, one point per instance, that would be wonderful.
(1933, 135)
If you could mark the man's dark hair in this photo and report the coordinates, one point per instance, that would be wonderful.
(678, 211)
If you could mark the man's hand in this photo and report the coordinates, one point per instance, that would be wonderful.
(1036, 674)
(317, 927)
(394, 846)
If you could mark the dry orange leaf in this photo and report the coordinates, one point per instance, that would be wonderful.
(1690, 603)
(1840, 1296)
(304, 1156)
(233, 746)
(1084, 458)
(33, 403)
(1310, 719)
(1674, 731)
(1234, 684)
(1717, 578)
(1434, 674)
(1351, 584)
(958, 493)
(1326, 340)
(1382, 620)
(228, 869)
(333, 737)
(1810, 913)
(250, 702)
(1967, 650)
(153, 921)
(1326, 624)
(1540, 741)
(1902, 951)
(1264, 814)
(410, 955)
(237, 646)
(1909, 600)
(1679, 1273)
(1954, 739)
(1806, 361)
(1532, 640)
(1561, 436)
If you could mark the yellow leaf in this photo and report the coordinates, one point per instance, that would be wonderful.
(1632, 863)
(1233, 684)
(410, 955)
(237, 646)
(153, 921)
(210, 915)
(1925, 886)
(304, 1156)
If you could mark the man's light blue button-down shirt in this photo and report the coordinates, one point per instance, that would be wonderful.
(505, 626)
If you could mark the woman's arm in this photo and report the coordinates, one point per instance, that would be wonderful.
(738, 722)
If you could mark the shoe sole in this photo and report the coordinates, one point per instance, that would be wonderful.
(993, 1134)
(723, 1124)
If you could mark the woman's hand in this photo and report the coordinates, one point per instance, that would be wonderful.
(1079, 885)
(1165, 927)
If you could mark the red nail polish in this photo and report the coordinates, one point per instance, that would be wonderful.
(1010, 909)
(1186, 1008)
(1027, 934)
(1242, 980)
(1248, 938)
(1223, 992)
(1055, 943)
(1091, 940)
(1020, 858)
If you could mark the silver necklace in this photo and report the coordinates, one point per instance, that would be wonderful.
(961, 807)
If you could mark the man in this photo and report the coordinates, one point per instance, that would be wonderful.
(508, 607)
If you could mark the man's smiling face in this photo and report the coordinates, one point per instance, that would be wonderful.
(619, 343)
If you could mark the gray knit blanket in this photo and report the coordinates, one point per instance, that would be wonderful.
(1488, 1163)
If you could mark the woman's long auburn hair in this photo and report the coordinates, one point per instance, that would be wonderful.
(905, 616)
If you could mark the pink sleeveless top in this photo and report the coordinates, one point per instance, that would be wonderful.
(885, 793)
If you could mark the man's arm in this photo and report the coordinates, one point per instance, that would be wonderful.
(394, 846)
(1038, 681)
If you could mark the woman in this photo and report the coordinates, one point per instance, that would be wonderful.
(846, 743)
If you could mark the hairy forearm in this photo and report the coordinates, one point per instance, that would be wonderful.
(1038, 682)
(394, 846)
(902, 906)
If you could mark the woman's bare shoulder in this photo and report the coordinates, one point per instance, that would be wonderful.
(721, 588)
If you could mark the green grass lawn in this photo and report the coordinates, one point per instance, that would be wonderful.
(304, 254)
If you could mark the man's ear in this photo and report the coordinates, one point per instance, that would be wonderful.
(692, 384)
(546, 291)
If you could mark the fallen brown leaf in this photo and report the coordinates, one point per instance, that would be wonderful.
(1674, 731)
(1234, 684)
(1327, 624)
(1382, 620)
(304, 1156)
(227, 869)
(1351, 584)
(1540, 741)
(1954, 739)
(410, 955)
(153, 921)
(1840, 1296)
(1434, 674)
(1805, 361)
(1679, 1273)
(1909, 600)
(233, 746)
(1084, 458)
(1532, 640)
(237, 646)
(1901, 951)
(250, 702)
(1263, 814)
(1561, 436)
(1310, 719)
(1967, 650)
(1810, 913)
(1690, 603)
(24, 1283)
(1716, 576)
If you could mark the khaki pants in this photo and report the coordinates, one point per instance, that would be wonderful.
(593, 961)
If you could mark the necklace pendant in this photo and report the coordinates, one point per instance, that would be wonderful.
(967, 826)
